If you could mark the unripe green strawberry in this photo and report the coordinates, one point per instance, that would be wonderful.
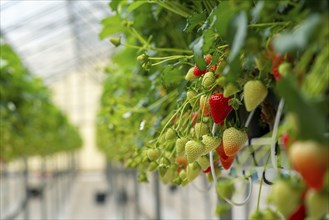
(170, 174)
(116, 41)
(180, 145)
(193, 150)
(170, 134)
(177, 181)
(230, 89)
(233, 141)
(164, 161)
(285, 197)
(217, 172)
(162, 139)
(254, 93)
(210, 143)
(201, 129)
(225, 188)
(270, 214)
(222, 209)
(193, 171)
(153, 154)
(317, 204)
(204, 106)
(182, 174)
(162, 169)
(256, 215)
(285, 68)
(203, 161)
(190, 94)
(142, 177)
(208, 80)
(190, 75)
(153, 166)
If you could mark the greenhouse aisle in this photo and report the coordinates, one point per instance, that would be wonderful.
(82, 202)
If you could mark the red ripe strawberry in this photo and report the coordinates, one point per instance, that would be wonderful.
(197, 71)
(219, 108)
(276, 61)
(310, 159)
(285, 140)
(225, 160)
(299, 213)
(221, 152)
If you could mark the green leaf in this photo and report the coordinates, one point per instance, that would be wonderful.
(238, 32)
(198, 53)
(115, 4)
(233, 70)
(136, 5)
(222, 16)
(298, 39)
(209, 37)
(111, 25)
(194, 21)
(312, 122)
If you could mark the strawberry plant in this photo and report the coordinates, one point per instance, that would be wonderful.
(30, 123)
(223, 74)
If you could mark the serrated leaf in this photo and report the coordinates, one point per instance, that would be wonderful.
(194, 20)
(298, 39)
(198, 53)
(136, 4)
(171, 75)
(233, 70)
(222, 16)
(238, 32)
(114, 5)
(312, 124)
(208, 37)
(111, 25)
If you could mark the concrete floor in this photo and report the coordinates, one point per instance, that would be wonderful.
(75, 199)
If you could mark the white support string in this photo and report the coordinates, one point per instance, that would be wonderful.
(212, 168)
(275, 133)
(249, 118)
(245, 200)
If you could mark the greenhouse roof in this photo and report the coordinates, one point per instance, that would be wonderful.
(55, 38)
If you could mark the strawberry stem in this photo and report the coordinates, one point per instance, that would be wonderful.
(261, 182)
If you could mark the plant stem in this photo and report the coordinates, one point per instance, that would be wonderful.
(174, 10)
(172, 50)
(268, 24)
(133, 46)
(261, 182)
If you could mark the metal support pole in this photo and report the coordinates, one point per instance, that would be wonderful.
(26, 187)
(43, 200)
(136, 194)
(207, 203)
(157, 196)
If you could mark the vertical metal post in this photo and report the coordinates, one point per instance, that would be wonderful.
(43, 200)
(207, 204)
(157, 196)
(136, 194)
(26, 187)
(57, 187)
